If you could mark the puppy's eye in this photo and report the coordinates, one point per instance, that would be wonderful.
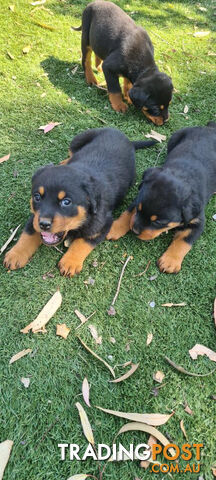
(65, 202)
(37, 197)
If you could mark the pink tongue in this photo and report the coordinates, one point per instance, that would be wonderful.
(49, 237)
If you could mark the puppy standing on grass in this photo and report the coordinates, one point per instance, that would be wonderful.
(127, 51)
(174, 195)
(77, 198)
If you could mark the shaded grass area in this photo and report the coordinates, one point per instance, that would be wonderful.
(58, 367)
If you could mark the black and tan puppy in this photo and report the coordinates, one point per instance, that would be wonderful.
(175, 195)
(127, 51)
(77, 198)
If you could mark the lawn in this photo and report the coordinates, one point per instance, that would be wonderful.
(47, 84)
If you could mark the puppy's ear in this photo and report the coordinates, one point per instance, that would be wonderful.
(149, 175)
(191, 209)
(138, 96)
(93, 195)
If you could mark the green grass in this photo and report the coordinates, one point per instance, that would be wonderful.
(58, 367)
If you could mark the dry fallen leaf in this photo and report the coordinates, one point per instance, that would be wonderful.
(149, 338)
(10, 55)
(62, 330)
(39, 2)
(85, 391)
(188, 410)
(79, 476)
(183, 304)
(81, 317)
(5, 158)
(26, 49)
(45, 315)
(182, 370)
(94, 334)
(158, 376)
(157, 136)
(12, 7)
(214, 471)
(186, 109)
(97, 356)
(20, 355)
(183, 429)
(148, 418)
(199, 349)
(5, 450)
(201, 34)
(9, 239)
(215, 312)
(112, 340)
(126, 375)
(85, 423)
(25, 381)
(49, 126)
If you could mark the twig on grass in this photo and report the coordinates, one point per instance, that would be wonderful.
(142, 273)
(120, 279)
(46, 432)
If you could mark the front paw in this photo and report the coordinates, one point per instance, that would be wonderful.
(15, 259)
(70, 266)
(168, 263)
(120, 107)
(115, 232)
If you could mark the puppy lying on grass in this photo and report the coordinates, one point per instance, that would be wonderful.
(76, 198)
(127, 51)
(174, 195)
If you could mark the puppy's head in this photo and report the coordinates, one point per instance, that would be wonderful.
(163, 202)
(62, 200)
(153, 95)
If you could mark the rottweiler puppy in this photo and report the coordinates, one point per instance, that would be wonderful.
(127, 51)
(76, 199)
(174, 195)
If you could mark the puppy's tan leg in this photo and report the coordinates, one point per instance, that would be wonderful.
(72, 262)
(20, 254)
(172, 259)
(89, 75)
(120, 226)
(126, 87)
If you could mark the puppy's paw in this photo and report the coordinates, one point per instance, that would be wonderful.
(168, 263)
(115, 232)
(16, 258)
(120, 107)
(117, 103)
(70, 265)
(90, 78)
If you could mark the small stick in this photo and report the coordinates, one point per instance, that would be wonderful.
(154, 33)
(142, 273)
(120, 279)
(161, 150)
(47, 431)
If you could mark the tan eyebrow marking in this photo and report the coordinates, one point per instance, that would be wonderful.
(161, 107)
(145, 108)
(140, 206)
(41, 190)
(61, 194)
(153, 218)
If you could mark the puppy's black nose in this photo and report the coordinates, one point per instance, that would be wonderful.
(45, 224)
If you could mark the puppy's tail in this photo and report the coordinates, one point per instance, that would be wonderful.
(78, 29)
(143, 144)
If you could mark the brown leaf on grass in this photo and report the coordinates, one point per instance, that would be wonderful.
(183, 304)
(81, 317)
(215, 312)
(45, 315)
(188, 410)
(182, 369)
(201, 34)
(186, 109)
(19, 355)
(127, 374)
(85, 423)
(3, 248)
(85, 391)
(5, 451)
(79, 476)
(148, 418)
(136, 426)
(158, 376)
(149, 338)
(73, 71)
(5, 158)
(62, 330)
(183, 429)
(26, 49)
(25, 381)
(94, 334)
(199, 349)
(97, 356)
(157, 136)
(49, 126)
(43, 25)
